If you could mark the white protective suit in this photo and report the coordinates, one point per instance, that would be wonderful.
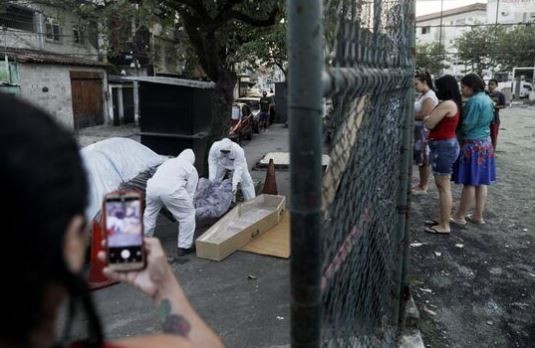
(219, 162)
(173, 186)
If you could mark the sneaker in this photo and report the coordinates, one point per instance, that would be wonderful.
(183, 252)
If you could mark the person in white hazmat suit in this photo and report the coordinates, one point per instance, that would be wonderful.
(227, 155)
(173, 186)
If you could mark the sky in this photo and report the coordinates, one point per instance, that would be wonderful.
(424, 7)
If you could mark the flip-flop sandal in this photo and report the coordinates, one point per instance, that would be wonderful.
(471, 219)
(457, 222)
(418, 193)
(433, 230)
(431, 222)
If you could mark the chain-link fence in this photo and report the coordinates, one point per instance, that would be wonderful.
(353, 296)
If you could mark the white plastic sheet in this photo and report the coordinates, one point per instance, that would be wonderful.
(111, 162)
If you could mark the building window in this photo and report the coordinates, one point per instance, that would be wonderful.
(170, 55)
(77, 35)
(53, 30)
(157, 53)
(426, 30)
(15, 17)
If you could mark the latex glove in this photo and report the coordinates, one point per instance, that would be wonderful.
(234, 192)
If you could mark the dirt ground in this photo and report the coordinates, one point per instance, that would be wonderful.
(475, 288)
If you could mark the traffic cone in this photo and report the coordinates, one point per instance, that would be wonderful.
(97, 280)
(270, 185)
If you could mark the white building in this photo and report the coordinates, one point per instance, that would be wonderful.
(511, 11)
(53, 63)
(455, 23)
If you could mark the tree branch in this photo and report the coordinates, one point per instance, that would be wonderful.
(195, 5)
(266, 22)
(206, 60)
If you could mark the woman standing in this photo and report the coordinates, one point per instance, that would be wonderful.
(444, 147)
(476, 167)
(422, 107)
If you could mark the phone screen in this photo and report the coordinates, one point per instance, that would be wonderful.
(124, 229)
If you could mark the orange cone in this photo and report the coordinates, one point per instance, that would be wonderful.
(97, 279)
(270, 185)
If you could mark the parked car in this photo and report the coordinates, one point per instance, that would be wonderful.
(242, 122)
(254, 104)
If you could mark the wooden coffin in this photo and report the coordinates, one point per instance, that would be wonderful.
(241, 225)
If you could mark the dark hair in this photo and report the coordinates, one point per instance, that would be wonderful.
(44, 187)
(493, 80)
(475, 82)
(424, 76)
(448, 89)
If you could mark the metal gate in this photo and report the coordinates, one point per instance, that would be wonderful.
(350, 83)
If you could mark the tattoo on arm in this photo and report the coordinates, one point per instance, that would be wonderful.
(173, 323)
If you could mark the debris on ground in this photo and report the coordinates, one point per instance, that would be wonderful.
(428, 311)
(429, 291)
(251, 277)
(416, 244)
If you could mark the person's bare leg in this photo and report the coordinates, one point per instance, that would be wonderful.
(425, 174)
(481, 199)
(467, 197)
(445, 202)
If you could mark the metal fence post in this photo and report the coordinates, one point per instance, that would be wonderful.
(406, 174)
(412, 52)
(305, 95)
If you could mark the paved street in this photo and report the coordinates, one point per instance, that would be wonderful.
(478, 291)
(246, 313)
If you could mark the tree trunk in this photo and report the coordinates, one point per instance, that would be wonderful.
(222, 104)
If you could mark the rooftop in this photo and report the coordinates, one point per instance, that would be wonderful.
(172, 81)
(24, 55)
(453, 11)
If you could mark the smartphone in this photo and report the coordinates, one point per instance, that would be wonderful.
(123, 223)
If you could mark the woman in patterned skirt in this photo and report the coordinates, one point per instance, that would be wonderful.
(476, 168)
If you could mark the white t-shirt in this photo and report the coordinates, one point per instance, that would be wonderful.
(429, 95)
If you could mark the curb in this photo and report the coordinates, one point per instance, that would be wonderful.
(411, 336)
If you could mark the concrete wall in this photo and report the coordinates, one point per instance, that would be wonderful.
(36, 40)
(510, 11)
(35, 78)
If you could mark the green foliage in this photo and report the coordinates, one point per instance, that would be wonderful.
(431, 57)
(476, 48)
(498, 47)
(516, 48)
(267, 47)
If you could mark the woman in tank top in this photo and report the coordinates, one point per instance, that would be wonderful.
(422, 107)
(442, 123)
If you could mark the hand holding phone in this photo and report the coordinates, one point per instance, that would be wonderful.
(150, 280)
(123, 223)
